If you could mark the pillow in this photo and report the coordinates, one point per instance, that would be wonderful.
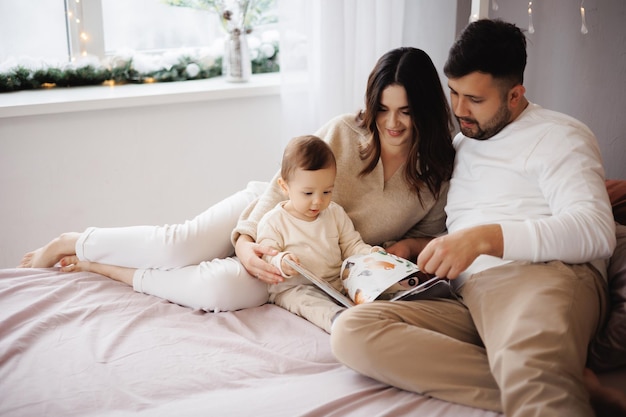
(608, 349)
(617, 195)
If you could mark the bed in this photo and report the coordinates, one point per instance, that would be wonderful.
(80, 344)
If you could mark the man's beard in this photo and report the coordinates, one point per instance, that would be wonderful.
(490, 128)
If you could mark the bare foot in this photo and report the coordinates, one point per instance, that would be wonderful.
(47, 256)
(606, 401)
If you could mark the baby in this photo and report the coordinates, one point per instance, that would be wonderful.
(310, 229)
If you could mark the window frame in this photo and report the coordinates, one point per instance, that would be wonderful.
(91, 23)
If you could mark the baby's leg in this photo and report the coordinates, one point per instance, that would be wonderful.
(47, 256)
(117, 273)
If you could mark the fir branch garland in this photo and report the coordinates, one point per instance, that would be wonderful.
(187, 68)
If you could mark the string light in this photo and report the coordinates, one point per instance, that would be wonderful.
(531, 27)
(79, 38)
(583, 28)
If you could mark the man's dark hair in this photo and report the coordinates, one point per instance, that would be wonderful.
(492, 47)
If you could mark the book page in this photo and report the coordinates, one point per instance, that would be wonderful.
(378, 275)
(321, 284)
(432, 287)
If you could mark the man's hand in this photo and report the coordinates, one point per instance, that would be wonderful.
(250, 255)
(448, 256)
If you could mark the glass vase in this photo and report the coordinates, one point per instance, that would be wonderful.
(236, 64)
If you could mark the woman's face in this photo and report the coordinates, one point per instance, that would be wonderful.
(393, 118)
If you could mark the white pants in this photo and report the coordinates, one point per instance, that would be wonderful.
(189, 264)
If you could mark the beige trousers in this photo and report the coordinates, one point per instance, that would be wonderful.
(515, 341)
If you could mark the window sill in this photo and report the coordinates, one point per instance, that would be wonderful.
(61, 100)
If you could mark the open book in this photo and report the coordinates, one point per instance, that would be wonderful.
(379, 276)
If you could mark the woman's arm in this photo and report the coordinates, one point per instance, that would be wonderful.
(409, 248)
(243, 236)
(252, 215)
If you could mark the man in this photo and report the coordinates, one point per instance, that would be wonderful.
(530, 228)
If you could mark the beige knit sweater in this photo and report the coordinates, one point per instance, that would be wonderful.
(381, 212)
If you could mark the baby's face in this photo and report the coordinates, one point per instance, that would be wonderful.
(310, 192)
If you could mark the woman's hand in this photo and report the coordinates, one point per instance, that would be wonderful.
(250, 253)
(409, 248)
(400, 249)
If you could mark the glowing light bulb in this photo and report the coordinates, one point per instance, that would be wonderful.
(531, 28)
(583, 28)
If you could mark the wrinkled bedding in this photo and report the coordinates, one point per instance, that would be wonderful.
(79, 344)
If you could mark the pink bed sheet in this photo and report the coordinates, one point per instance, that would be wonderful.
(80, 344)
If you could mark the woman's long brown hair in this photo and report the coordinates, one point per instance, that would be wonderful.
(431, 156)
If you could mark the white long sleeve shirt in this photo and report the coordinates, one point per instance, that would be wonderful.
(541, 179)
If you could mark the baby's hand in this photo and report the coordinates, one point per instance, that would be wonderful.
(287, 269)
(377, 249)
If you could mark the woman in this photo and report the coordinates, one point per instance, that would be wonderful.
(393, 162)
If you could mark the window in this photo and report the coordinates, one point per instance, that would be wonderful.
(54, 32)
(152, 25)
(35, 31)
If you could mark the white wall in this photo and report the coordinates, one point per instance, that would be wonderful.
(150, 164)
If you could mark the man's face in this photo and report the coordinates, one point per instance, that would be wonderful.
(479, 104)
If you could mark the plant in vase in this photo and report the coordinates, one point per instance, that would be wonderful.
(236, 64)
(237, 17)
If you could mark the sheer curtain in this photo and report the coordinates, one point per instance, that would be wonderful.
(328, 48)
